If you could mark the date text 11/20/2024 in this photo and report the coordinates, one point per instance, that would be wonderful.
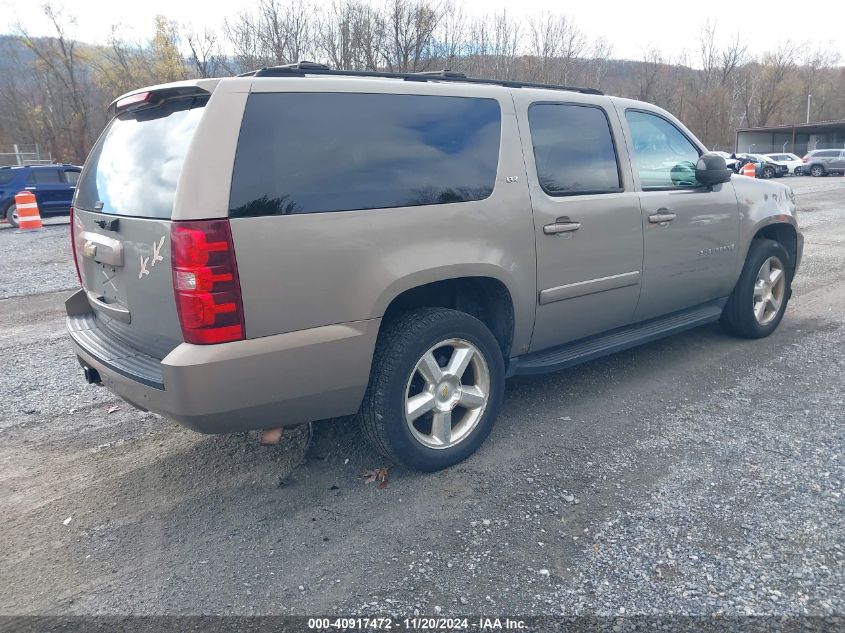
(417, 624)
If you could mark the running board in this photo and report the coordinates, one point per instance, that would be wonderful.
(623, 338)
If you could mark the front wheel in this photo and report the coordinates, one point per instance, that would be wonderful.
(12, 215)
(435, 388)
(768, 173)
(817, 171)
(756, 306)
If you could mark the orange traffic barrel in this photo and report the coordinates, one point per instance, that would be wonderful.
(27, 211)
(749, 169)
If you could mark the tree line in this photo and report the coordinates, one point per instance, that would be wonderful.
(54, 90)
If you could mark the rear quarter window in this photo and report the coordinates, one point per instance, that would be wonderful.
(324, 152)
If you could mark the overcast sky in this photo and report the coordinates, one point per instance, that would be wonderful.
(631, 25)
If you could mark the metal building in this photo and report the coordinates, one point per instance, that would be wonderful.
(798, 139)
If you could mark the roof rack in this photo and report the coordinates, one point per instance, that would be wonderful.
(304, 68)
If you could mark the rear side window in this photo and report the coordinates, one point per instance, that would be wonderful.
(663, 155)
(828, 154)
(44, 177)
(573, 149)
(135, 166)
(322, 152)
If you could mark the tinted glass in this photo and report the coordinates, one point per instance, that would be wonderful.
(573, 149)
(6, 177)
(134, 168)
(827, 154)
(663, 156)
(317, 152)
(72, 177)
(44, 177)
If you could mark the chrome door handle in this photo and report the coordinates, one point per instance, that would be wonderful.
(562, 225)
(661, 216)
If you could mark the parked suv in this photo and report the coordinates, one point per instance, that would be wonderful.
(53, 186)
(821, 162)
(295, 245)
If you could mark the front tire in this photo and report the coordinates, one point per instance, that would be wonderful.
(11, 215)
(435, 388)
(768, 173)
(758, 302)
(817, 171)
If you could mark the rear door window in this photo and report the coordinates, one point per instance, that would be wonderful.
(72, 177)
(573, 149)
(323, 152)
(44, 177)
(135, 166)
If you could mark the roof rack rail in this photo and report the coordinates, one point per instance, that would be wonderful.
(303, 68)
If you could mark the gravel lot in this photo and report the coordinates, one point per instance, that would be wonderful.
(700, 474)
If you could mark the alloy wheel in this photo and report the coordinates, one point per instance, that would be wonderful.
(447, 393)
(769, 289)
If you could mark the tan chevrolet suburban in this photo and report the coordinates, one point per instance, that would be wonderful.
(299, 244)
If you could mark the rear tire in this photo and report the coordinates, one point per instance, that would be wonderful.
(758, 302)
(435, 389)
(11, 215)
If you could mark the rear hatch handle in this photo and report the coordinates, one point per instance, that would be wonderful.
(100, 248)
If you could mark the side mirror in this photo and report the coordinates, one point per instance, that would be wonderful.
(711, 169)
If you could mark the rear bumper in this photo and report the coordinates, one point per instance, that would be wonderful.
(259, 383)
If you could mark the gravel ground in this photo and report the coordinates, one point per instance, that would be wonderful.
(36, 261)
(700, 474)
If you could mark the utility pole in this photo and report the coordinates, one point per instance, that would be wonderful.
(809, 98)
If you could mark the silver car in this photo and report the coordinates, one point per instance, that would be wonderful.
(301, 244)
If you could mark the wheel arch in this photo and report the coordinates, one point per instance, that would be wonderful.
(784, 233)
(484, 296)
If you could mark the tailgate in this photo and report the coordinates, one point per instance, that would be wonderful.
(122, 220)
(125, 268)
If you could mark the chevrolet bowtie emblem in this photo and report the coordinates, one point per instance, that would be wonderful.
(89, 249)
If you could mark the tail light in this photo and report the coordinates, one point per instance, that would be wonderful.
(806, 159)
(73, 245)
(205, 282)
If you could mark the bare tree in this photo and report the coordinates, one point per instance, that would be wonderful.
(773, 90)
(411, 27)
(206, 57)
(65, 77)
(556, 44)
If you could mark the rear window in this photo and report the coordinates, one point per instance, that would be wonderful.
(322, 152)
(135, 166)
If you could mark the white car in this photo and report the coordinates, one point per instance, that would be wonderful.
(793, 162)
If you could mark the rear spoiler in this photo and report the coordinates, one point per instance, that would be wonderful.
(153, 95)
